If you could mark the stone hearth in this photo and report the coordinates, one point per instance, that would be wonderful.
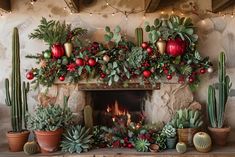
(160, 105)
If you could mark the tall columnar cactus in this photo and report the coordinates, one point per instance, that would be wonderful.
(17, 100)
(139, 36)
(216, 106)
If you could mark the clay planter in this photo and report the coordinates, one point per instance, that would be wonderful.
(171, 142)
(219, 135)
(154, 148)
(49, 141)
(186, 135)
(16, 140)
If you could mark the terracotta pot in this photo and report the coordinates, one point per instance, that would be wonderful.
(219, 135)
(154, 148)
(171, 142)
(186, 135)
(17, 140)
(49, 141)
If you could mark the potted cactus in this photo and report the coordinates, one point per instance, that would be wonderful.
(48, 123)
(216, 106)
(187, 122)
(17, 100)
(170, 132)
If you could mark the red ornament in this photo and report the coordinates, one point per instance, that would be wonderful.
(169, 77)
(61, 78)
(30, 75)
(144, 45)
(202, 71)
(191, 79)
(102, 75)
(129, 145)
(150, 50)
(91, 62)
(146, 73)
(79, 62)
(175, 47)
(166, 71)
(57, 50)
(181, 79)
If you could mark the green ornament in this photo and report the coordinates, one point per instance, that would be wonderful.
(47, 55)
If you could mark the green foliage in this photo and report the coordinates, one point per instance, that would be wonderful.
(17, 100)
(31, 148)
(136, 57)
(76, 139)
(49, 118)
(217, 105)
(115, 35)
(160, 140)
(142, 145)
(55, 32)
(169, 131)
(187, 118)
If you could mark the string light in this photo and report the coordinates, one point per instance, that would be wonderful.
(162, 12)
(203, 22)
(90, 14)
(113, 14)
(172, 12)
(107, 3)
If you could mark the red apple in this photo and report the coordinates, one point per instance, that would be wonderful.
(146, 73)
(144, 45)
(79, 62)
(91, 62)
(30, 75)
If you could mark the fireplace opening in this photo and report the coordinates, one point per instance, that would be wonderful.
(122, 106)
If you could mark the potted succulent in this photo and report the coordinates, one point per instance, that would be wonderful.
(187, 122)
(76, 139)
(17, 100)
(170, 132)
(48, 124)
(216, 106)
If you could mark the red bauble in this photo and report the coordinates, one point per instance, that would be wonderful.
(144, 45)
(129, 145)
(61, 78)
(169, 77)
(146, 73)
(102, 75)
(57, 50)
(150, 50)
(202, 71)
(166, 71)
(30, 75)
(91, 62)
(181, 79)
(175, 47)
(79, 62)
(191, 79)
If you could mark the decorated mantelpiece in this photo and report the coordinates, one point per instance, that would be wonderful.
(70, 70)
(170, 53)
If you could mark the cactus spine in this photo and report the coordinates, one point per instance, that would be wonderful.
(216, 109)
(14, 100)
(139, 36)
(88, 118)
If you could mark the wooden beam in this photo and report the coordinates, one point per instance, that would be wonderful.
(220, 5)
(5, 5)
(151, 5)
(73, 5)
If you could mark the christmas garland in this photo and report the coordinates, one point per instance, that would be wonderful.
(170, 52)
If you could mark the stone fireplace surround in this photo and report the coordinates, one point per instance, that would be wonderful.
(160, 105)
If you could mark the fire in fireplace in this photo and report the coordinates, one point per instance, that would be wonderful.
(122, 106)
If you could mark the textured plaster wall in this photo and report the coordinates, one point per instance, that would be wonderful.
(216, 34)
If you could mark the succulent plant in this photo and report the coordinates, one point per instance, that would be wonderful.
(142, 145)
(216, 106)
(17, 100)
(115, 35)
(49, 118)
(181, 147)
(161, 141)
(187, 118)
(76, 139)
(31, 148)
(202, 142)
(169, 131)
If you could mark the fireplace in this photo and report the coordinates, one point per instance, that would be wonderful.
(117, 105)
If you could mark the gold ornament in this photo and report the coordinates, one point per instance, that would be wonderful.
(161, 45)
(68, 48)
(43, 63)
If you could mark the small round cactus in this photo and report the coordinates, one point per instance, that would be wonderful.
(31, 148)
(181, 147)
(202, 142)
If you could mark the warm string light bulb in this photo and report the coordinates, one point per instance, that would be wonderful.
(232, 16)
(172, 12)
(203, 22)
(162, 12)
(107, 3)
(144, 17)
(113, 14)
(90, 14)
